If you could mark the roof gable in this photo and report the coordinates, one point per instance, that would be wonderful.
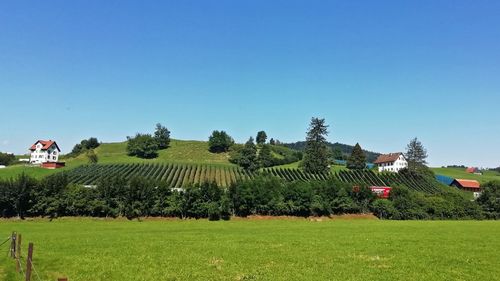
(468, 183)
(391, 157)
(45, 145)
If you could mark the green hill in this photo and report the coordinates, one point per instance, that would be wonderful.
(180, 152)
(459, 173)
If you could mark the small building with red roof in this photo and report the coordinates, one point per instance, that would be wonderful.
(392, 162)
(43, 151)
(469, 185)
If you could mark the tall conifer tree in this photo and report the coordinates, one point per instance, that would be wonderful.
(416, 155)
(316, 151)
(357, 160)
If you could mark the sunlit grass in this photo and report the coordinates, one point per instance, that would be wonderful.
(294, 249)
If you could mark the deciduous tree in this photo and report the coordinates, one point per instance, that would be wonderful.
(142, 146)
(219, 142)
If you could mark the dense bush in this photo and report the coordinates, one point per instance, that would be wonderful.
(142, 146)
(84, 145)
(7, 159)
(263, 195)
(219, 142)
(406, 204)
(490, 200)
(267, 156)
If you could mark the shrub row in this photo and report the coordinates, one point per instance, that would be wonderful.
(116, 196)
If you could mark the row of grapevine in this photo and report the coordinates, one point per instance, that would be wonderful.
(362, 177)
(178, 175)
(175, 175)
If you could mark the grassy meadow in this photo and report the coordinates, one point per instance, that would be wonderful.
(459, 173)
(241, 249)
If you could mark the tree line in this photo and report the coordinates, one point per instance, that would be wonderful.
(138, 197)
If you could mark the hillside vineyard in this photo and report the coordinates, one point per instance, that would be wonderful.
(179, 175)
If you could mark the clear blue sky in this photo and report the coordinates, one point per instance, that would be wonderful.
(380, 72)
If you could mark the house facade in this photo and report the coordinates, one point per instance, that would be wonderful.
(392, 162)
(44, 152)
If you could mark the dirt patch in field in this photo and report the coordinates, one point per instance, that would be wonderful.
(317, 219)
(355, 217)
(254, 217)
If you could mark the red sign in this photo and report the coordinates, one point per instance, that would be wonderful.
(381, 191)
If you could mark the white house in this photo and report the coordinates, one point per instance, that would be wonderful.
(44, 151)
(392, 162)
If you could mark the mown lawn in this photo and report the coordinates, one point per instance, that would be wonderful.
(292, 249)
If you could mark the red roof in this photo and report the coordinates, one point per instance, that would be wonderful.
(391, 157)
(469, 183)
(471, 170)
(46, 144)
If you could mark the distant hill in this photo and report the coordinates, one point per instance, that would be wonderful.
(179, 152)
(344, 148)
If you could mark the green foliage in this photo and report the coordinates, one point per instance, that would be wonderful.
(264, 194)
(450, 204)
(265, 159)
(6, 159)
(490, 199)
(337, 154)
(261, 138)
(92, 157)
(248, 156)
(162, 136)
(84, 145)
(316, 151)
(219, 142)
(142, 146)
(340, 151)
(384, 209)
(357, 160)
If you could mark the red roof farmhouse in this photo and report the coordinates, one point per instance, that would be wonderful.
(392, 162)
(45, 153)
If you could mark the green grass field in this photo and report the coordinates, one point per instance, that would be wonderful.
(459, 173)
(290, 249)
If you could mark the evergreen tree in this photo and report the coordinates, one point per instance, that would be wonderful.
(248, 158)
(357, 160)
(316, 151)
(265, 158)
(416, 156)
(337, 154)
(162, 136)
(272, 142)
(261, 137)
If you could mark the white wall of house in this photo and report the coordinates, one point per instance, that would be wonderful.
(39, 155)
(395, 166)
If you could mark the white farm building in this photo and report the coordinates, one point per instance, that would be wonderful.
(392, 162)
(44, 151)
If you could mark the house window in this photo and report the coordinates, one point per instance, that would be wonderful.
(53, 157)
